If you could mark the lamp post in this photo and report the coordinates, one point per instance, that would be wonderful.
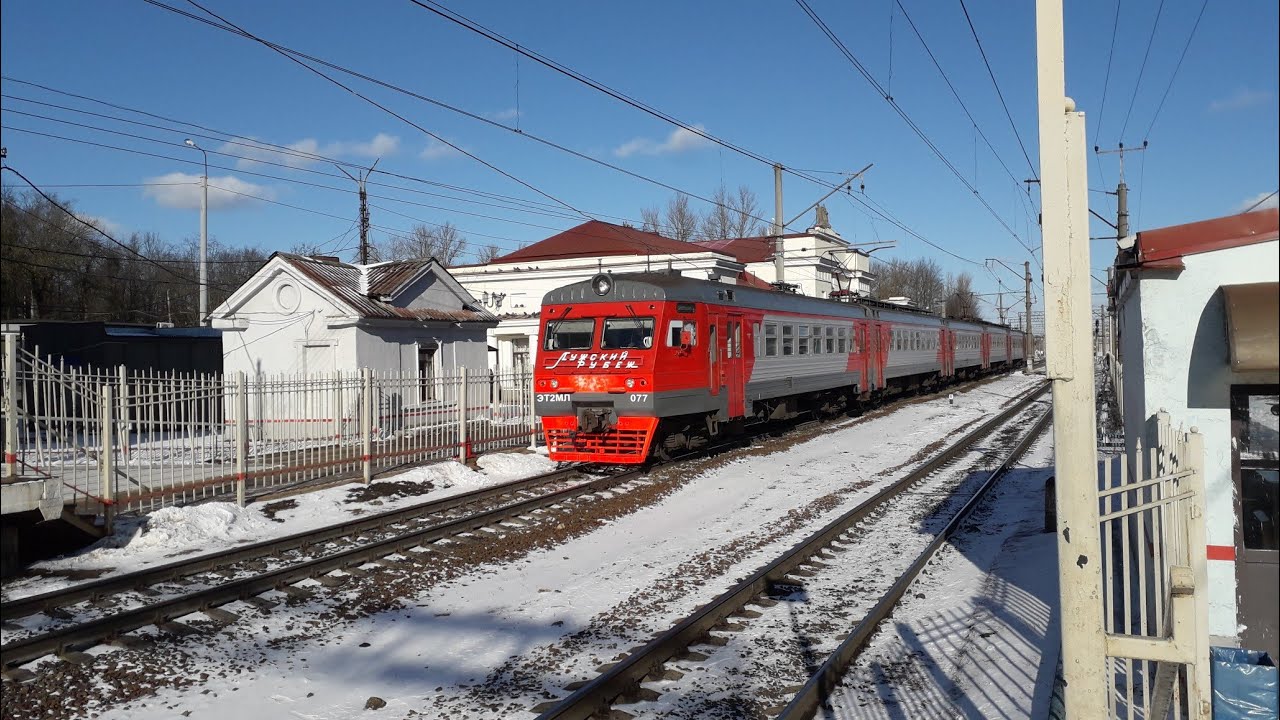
(204, 234)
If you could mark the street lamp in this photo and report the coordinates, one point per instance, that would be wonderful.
(204, 235)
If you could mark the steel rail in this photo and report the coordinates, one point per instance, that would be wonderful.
(91, 591)
(58, 641)
(628, 673)
(816, 691)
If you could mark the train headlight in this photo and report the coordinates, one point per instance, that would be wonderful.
(554, 383)
(631, 382)
(602, 284)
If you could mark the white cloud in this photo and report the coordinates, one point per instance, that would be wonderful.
(181, 190)
(680, 140)
(1241, 99)
(504, 115)
(436, 150)
(253, 152)
(1262, 197)
(109, 227)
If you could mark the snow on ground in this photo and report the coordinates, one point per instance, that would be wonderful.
(533, 625)
(977, 636)
(174, 533)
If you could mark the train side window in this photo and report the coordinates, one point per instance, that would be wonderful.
(682, 332)
(816, 334)
(770, 340)
(831, 340)
(802, 347)
(842, 341)
(788, 340)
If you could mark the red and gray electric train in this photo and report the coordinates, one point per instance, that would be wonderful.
(646, 364)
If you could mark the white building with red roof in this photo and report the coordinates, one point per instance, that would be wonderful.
(512, 286)
(1195, 313)
(316, 315)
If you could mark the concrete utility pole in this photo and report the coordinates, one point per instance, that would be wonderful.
(1122, 190)
(204, 235)
(1065, 203)
(1028, 340)
(779, 264)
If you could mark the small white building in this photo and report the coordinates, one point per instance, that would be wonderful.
(316, 315)
(513, 285)
(1195, 330)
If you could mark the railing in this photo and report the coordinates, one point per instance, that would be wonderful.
(1154, 577)
(120, 441)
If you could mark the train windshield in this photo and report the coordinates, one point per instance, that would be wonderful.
(570, 334)
(627, 333)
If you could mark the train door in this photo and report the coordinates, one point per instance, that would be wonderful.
(985, 345)
(714, 353)
(875, 372)
(735, 371)
(946, 363)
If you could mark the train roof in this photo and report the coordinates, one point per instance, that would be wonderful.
(673, 287)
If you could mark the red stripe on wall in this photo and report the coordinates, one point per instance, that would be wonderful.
(1221, 552)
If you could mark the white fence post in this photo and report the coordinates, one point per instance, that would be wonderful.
(337, 407)
(242, 435)
(462, 415)
(1198, 691)
(122, 419)
(366, 426)
(533, 419)
(11, 405)
(106, 461)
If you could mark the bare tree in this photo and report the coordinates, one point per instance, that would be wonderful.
(442, 242)
(651, 220)
(920, 280)
(961, 302)
(681, 221)
(487, 253)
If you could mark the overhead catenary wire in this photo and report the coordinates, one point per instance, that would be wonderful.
(1254, 206)
(303, 60)
(956, 94)
(282, 149)
(1106, 82)
(1183, 56)
(999, 93)
(915, 128)
(1142, 69)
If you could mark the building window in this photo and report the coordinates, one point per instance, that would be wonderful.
(788, 340)
(520, 356)
(427, 372)
(770, 340)
(1255, 429)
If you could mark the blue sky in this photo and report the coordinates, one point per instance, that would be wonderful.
(760, 75)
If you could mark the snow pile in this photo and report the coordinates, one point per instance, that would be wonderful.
(509, 466)
(169, 532)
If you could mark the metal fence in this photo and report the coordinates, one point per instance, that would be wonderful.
(120, 441)
(1155, 577)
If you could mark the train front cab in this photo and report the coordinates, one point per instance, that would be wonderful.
(609, 372)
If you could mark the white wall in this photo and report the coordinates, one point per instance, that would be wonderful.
(272, 326)
(1174, 346)
(813, 261)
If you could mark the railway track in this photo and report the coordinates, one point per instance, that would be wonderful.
(90, 613)
(105, 611)
(665, 664)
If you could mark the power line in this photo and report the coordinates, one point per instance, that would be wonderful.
(1106, 81)
(95, 228)
(955, 93)
(299, 57)
(477, 28)
(999, 94)
(1142, 69)
(1268, 197)
(1176, 68)
(271, 146)
(866, 74)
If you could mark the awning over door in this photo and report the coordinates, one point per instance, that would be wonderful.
(1253, 314)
